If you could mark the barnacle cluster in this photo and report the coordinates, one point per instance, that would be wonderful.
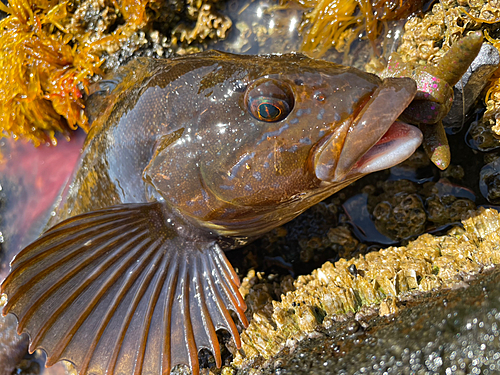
(337, 23)
(426, 40)
(209, 24)
(380, 279)
(51, 50)
(403, 209)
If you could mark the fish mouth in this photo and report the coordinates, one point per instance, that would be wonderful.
(374, 140)
(395, 146)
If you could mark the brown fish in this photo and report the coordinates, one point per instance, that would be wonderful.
(188, 158)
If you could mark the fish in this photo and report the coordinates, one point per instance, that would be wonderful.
(188, 158)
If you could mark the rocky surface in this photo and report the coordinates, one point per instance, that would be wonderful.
(379, 284)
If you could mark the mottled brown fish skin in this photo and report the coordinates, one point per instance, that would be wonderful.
(187, 158)
(197, 104)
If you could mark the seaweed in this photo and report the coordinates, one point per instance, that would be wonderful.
(338, 22)
(51, 51)
(42, 73)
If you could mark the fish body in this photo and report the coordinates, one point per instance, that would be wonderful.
(187, 158)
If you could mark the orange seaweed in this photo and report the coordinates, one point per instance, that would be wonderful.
(329, 20)
(494, 85)
(42, 74)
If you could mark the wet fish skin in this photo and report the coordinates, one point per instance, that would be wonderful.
(211, 129)
(130, 276)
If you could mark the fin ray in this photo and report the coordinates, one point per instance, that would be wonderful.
(77, 291)
(231, 295)
(172, 277)
(142, 272)
(115, 291)
(91, 303)
(66, 278)
(211, 336)
(147, 324)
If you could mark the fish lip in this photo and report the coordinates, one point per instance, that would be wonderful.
(397, 144)
(353, 139)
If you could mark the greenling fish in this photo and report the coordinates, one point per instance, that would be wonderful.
(188, 158)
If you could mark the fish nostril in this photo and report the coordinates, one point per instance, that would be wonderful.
(239, 86)
(319, 96)
(299, 82)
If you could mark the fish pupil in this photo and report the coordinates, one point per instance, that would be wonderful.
(269, 111)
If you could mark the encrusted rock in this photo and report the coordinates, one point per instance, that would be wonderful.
(382, 280)
(427, 39)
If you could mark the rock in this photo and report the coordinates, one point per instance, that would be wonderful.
(472, 83)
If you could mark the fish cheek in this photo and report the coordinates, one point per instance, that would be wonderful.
(263, 177)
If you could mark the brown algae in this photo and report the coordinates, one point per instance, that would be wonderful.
(338, 22)
(40, 73)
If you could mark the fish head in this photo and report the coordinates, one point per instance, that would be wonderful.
(284, 133)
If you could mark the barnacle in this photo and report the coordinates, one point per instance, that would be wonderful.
(428, 38)
(209, 24)
(338, 22)
(382, 279)
(478, 13)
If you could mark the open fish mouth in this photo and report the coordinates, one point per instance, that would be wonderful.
(395, 146)
(374, 140)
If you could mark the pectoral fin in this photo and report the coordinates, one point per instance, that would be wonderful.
(116, 291)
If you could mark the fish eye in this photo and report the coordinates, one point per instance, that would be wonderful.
(269, 99)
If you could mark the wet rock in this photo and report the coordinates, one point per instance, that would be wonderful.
(401, 216)
(386, 283)
(455, 331)
(173, 27)
(12, 346)
(471, 84)
(428, 38)
(447, 209)
(481, 136)
(403, 209)
(489, 181)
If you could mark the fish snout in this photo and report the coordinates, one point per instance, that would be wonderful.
(373, 140)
